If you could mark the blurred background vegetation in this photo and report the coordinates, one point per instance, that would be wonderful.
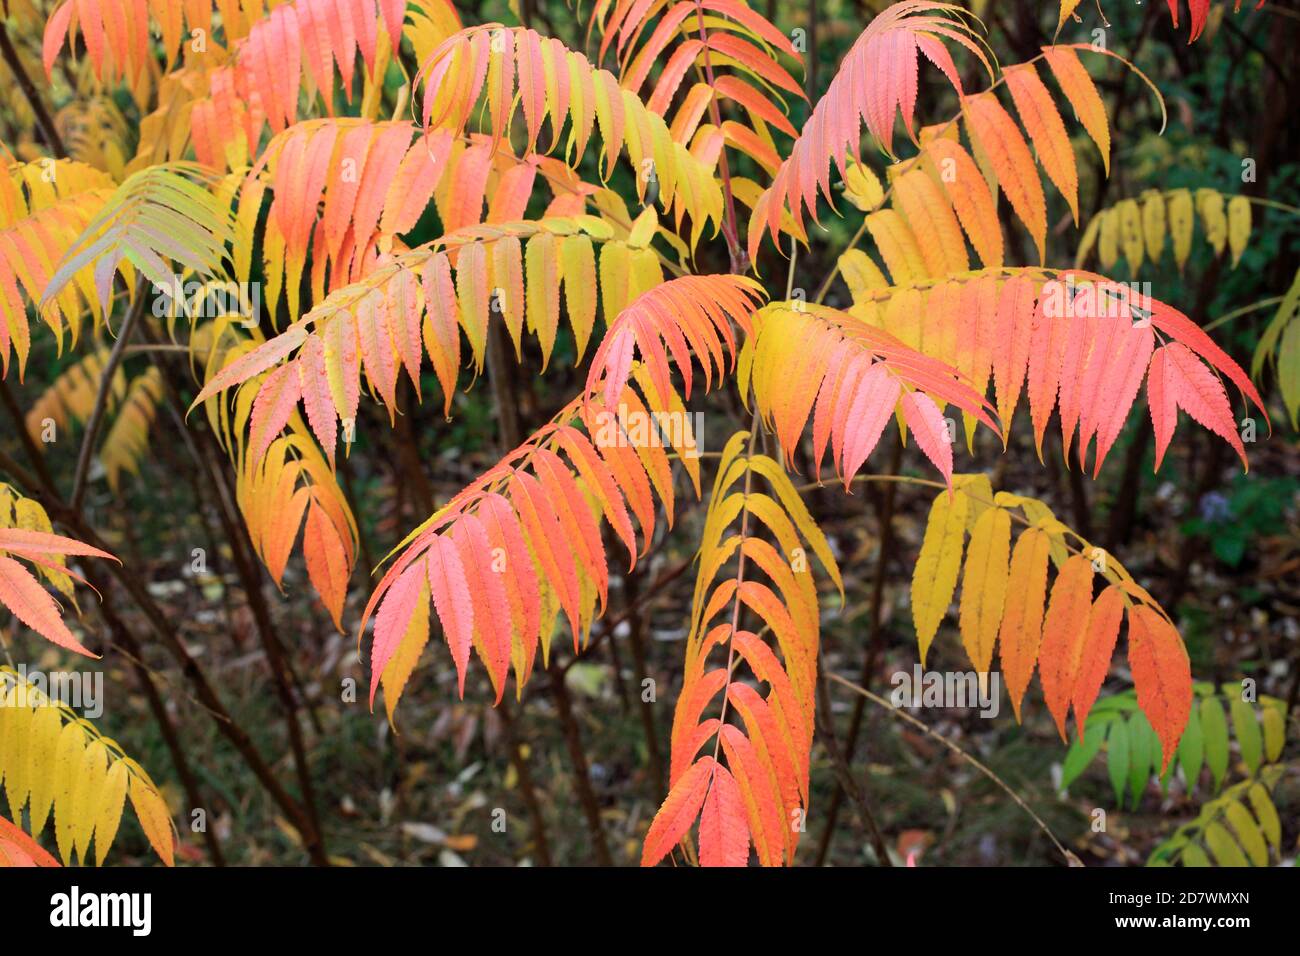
(1220, 549)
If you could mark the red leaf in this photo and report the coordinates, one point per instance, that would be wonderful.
(724, 834)
(393, 618)
(927, 424)
(32, 604)
(450, 593)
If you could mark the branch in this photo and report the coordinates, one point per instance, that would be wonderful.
(96, 419)
(1070, 858)
(43, 120)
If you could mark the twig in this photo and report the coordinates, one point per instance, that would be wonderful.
(1070, 858)
(48, 130)
(246, 566)
(886, 520)
(526, 789)
(96, 419)
(826, 726)
(581, 772)
(134, 586)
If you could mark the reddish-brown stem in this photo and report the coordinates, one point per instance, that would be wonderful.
(537, 822)
(885, 515)
(123, 637)
(134, 586)
(735, 249)
(581, 771)
(48, 130)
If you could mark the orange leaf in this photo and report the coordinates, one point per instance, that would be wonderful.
(996, 133)
(1022, 619)
(1082, 93)
(679, 810)
(19, 849)
(327, 560)
(1046, 130)
(1162, 675)
(1095, 652)
(1064, 629)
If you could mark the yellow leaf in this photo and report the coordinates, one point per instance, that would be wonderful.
(108, 815)
(1153, 224)
(578, 262)
(1210, 204)
(1067, 10)
(896, 242)
(1182, 222)
(861, 274)
(43, 741)
(984, 585)
(15, 731)
(935, 577)
(799, 514)
(87, 793)
(66, 771)
(1274, 731)
(151, 811)
(1130, 232)
(862, 187)
(615, 265)
(1238, 226)
(400, 666)
(1108, 240)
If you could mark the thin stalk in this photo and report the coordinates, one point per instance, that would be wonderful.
(736, 251)
(826, 727)
(885, 518)
(48, 130)
(133, 584)
(636, 639)
(537, 822)
(241, 549)
(96, 419)
(907, 718)
(581, 772)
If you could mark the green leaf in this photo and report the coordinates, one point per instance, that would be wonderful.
(1191, 749)
(163, 211)
(1214, 725)
(1117, 758)
(1082, 752)
(1246, 727)
(1140, 737)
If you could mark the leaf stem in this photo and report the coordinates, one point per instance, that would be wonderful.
(739, 257)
